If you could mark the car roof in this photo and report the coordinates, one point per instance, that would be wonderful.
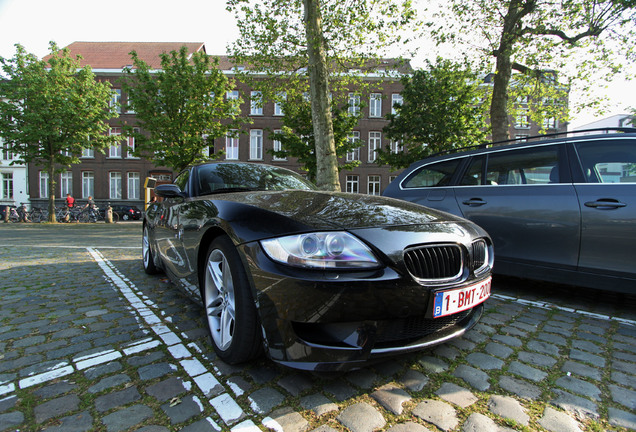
(532, 141)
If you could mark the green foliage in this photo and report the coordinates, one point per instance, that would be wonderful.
(443, 109)
(585, 42)
(182, 108)
(297, 135)
(52, 110)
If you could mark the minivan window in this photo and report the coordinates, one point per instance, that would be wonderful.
(613, 162)
(536, 165)
(437, 174)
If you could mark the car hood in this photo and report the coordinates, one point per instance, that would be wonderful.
(310, 210)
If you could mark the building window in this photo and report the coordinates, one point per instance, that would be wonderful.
(88, 153)
(115, 150)
(6, 151)
(375, 105)
(7, 186)
(88, 184)
(134, 185)
(354, 154)
(131, 145)
(278, 146)
(256, 144)
(278, 105)
(521, 137)
(375, 141)
(550, 123)
(66, 183)
(396, 99)
(354, 104)
(115, 185)
(396, 146)
(232, 146)
(44, 184)
(115, 100)
(233, 97)
(374, 185)
(256, 103)
(353, 184)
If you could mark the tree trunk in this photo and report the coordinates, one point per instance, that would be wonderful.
(52, 183)
(326, 160)
(499, 104)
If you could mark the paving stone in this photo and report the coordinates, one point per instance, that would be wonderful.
(408, 427)
(447, 351)
(579, 386)
(433, 364)
(363, 378)
(414, 380)
(587, 346)
(474, 377)
(319, 404)
(543, 347)
(458, 395)
(622, 418)
(477, 422)
(56, 407)
(552, 339)
(263, 374)
(183, 409)
(536, 359)
(145, 359)
(577, 405)
(484, 361)
(340, 390)
(361, 417)
(156, 370)
(9, 421)
(586, 357)
(391, 397)
(263, 400)
(624, 356)
(166, 389)
(498, 350)
(556, 421)
(286, 419)
(507, 407)
(97, 371)
(582, 370)
(205, 425)
(295, 384)
(116, 399)
(324, 428)
(623, 366)
(508, 340)
(109, 382)
(238, 385)
(590, 337)
(55, 389)
(520, 388)
(127, 418)
(514, 331)
(438, 413)
(623, 396)
(526, 371)
(82, 422)
(624, 379)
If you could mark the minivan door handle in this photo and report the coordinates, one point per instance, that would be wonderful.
(605, 204)
(474, 202)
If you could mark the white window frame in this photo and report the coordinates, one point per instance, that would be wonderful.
(375, 142)
(354, 155)
(114, 151)
(256, 144)
(256, 103)
(278, 106)
(375, 105)
(374, 185)
(354, 104)
(131, 145)
(44, 184)
(115, 100)
(278, 146)
(233, 95)
(114, 185)
(353, 184)
(88, 153)
(66, 183)
(396, 98)
(88, 184)
(7, 191)
(232, 145)
(133, 182)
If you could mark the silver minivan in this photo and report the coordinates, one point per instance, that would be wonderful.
(560, 209)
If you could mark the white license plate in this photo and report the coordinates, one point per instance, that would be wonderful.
(457, 300)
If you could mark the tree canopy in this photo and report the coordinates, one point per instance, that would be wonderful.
(529, 43)
(51, 110)
(182, 107)
(297, 135)
(443, 108)
(319, 47)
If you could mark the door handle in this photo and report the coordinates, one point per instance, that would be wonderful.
(474, 202)
(605, 204)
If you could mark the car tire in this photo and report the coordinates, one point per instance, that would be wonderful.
(146, 250)
(229, 308)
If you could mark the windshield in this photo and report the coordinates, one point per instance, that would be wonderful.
(233, 177)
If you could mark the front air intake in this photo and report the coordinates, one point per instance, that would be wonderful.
(434, 263)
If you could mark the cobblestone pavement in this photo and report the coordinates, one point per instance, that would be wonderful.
(89, 342)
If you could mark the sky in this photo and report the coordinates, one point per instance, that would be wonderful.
(33, 23)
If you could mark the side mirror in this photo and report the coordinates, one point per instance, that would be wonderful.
(169, 191)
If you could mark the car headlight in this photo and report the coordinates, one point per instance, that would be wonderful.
(325, 250)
